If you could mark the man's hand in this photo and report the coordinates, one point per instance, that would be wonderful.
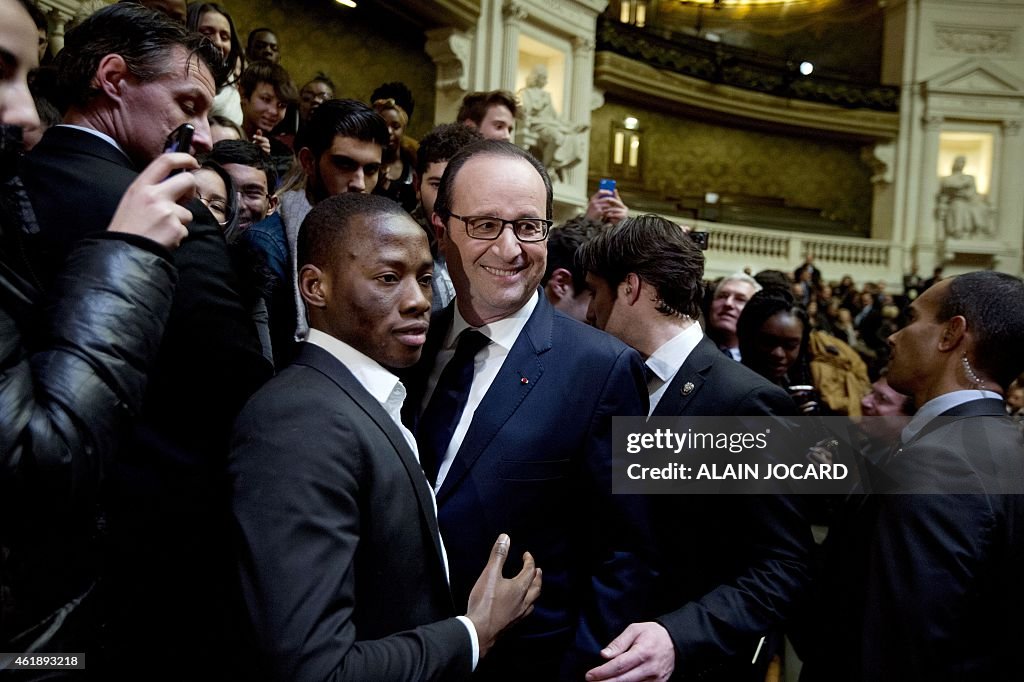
(150, 206)
(643, 651)
(496, 602)
(606, 207)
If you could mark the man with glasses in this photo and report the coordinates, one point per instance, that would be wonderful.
(253, 174)
(515, 426)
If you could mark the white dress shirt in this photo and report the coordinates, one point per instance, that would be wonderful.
(503, 334)
(666, 361)
(387, 390)
(103, 136)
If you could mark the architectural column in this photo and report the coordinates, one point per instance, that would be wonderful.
(450, 49)
(927, 226)
(578, 109)
(513, 14)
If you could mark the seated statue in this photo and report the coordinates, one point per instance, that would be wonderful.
(961, 211)
(559, 143)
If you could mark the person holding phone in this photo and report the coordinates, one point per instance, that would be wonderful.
(132, 77)
(71, 374)
(606, 206)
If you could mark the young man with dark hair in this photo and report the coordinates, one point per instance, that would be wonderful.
(439, 145)
(645, 275)
(492, 113)
(254, 177)
(564, 280)
(340, 151)
(262, 45)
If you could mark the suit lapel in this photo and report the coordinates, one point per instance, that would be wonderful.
(417, 376)
(983, 407)
(519, 374)
(317, 358)
(688, 381)
(63, 141)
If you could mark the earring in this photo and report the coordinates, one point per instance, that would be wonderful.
(972, 376)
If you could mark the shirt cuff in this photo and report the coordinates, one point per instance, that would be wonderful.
(474, 641)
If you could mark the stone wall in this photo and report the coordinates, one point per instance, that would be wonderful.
(686, 157)
(358, 48)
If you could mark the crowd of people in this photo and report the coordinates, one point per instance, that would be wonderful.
(319, 401)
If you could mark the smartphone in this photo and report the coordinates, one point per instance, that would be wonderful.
(700, 238)
(180, 140)
(606, 184)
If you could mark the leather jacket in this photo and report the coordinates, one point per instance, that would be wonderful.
(73, 365)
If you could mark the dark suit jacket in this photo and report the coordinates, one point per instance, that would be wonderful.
(734, 565)
(928, 586)
(165, 509)
(340, 553)
(536, 463)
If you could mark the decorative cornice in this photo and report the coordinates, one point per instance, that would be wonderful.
(642, 82)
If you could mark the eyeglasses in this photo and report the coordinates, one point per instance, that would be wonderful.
(218, 207)
(489, 227)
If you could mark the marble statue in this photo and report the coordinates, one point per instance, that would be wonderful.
(961, 211)
(558, 142)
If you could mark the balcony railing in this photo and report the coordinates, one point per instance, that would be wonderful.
(719, 63)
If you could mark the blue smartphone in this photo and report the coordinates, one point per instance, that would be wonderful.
(606, 184)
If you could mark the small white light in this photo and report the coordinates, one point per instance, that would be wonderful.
(347, 3)
(631, 123)
(713, 37)
(806, 68)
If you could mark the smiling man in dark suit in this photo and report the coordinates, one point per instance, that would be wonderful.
(529, 449)
(343, 570)
(733, 573)
(924, 582)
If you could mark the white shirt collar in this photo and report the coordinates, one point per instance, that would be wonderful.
(103, 136)
(671, 355)
(378, 382)
(503, 332)
(939, 404)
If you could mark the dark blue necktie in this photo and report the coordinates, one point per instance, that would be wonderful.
(442, 414)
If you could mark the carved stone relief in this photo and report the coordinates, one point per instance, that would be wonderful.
(960, 39)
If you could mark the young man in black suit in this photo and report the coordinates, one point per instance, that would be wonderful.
(343, 569)
(735, 569)
(923, 582)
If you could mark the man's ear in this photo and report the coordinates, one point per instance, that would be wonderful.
(439, 229)
(313, 286)
(416, 180)
(272, 202)
(630, 288)
(111, 75)
(953, 334)
(307, 161)
(559, 286)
